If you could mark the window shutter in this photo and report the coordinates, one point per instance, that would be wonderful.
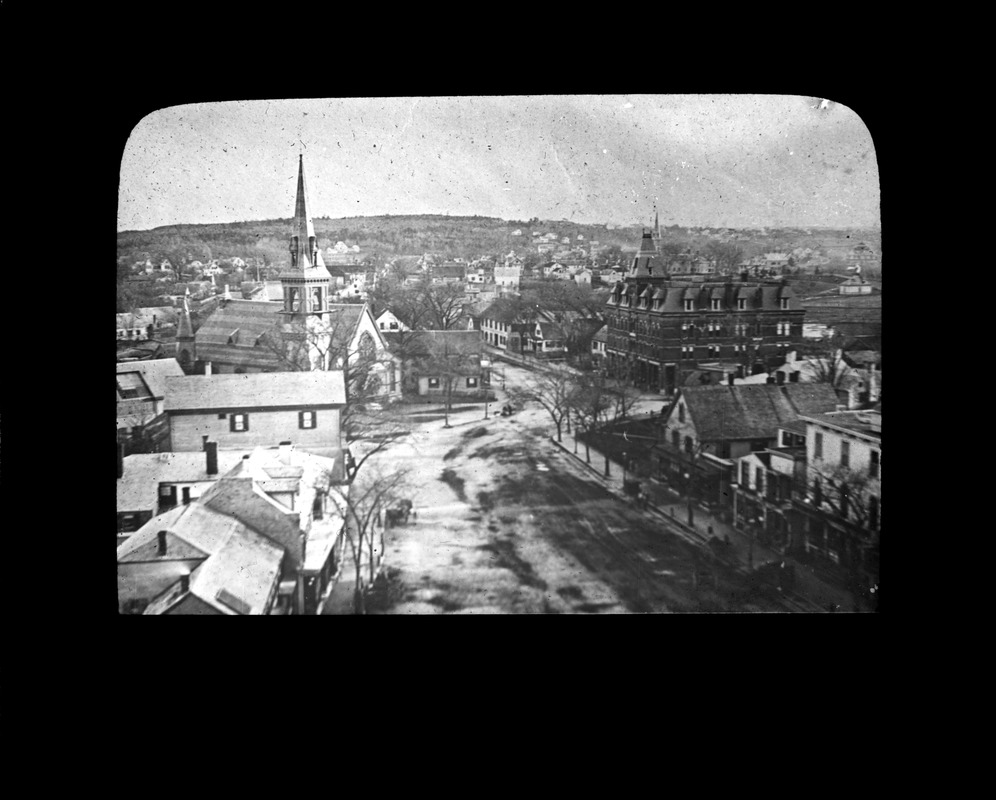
(231, 423)
(300, 419)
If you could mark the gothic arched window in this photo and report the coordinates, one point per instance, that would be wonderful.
(366, 346)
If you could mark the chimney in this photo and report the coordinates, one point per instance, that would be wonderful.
(184, 583)
(161, 537)
(121, 454)
(285, 452)
(212, 457)
(779, 377)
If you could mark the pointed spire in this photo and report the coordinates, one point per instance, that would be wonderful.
(305, 254)
(303, 226)
(185, 328)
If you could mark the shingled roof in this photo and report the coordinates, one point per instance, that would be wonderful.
(726, 412)
(236, 333)
(154, 373)
(260, 389)
(138, 488)
(239, 566)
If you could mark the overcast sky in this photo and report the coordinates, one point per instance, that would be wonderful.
(706, 160)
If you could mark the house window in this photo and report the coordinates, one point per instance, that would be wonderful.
(316, 507)
(817, 492)
(675, 439)
(715, 304)
(845, 454)
(744, 474)
(223, 416)
(689, 444)
(307, 419)
(785, 304)
(238, 422)
(818, 446)
(433, 383)
(471, 383)
(689, 305)
(681, 412)
(742, 304)
(759, 480)
(873, 466)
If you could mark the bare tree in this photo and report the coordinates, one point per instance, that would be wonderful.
(592, 403)
(829, 365)
(362, 504)
(444, 302)
(726, 255)
(448, 357)
(326, 343)
(423, 305)
(554, 389)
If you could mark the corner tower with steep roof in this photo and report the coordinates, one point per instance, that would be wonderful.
(306, 282)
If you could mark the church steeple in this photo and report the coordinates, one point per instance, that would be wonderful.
(306, 281)
(186, 349)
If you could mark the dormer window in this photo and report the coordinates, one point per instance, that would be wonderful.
(784, 304)
(741, 304)
(689, 304)
(715, 304)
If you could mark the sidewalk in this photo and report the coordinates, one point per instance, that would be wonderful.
(674, 509)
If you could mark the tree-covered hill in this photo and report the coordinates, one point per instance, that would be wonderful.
(384, 238)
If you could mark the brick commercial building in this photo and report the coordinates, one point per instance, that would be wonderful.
(663, 329)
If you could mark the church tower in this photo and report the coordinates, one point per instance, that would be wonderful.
(186, 346)
(306, 281)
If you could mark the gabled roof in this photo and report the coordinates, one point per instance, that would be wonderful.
(550, 330)
(252, 318)
(259, 389)
(239, 567)
(138, 488)
(154, 373)
(724, 412)
(193, 530)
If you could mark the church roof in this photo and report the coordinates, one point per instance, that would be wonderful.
(252, 319)
(236, 333)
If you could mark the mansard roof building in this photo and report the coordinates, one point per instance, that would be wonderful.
(661, 328)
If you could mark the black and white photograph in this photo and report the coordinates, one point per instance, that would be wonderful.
(499, 354)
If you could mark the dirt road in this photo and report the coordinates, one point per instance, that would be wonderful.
(508, 523)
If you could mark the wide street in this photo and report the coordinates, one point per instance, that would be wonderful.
(506, 522)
